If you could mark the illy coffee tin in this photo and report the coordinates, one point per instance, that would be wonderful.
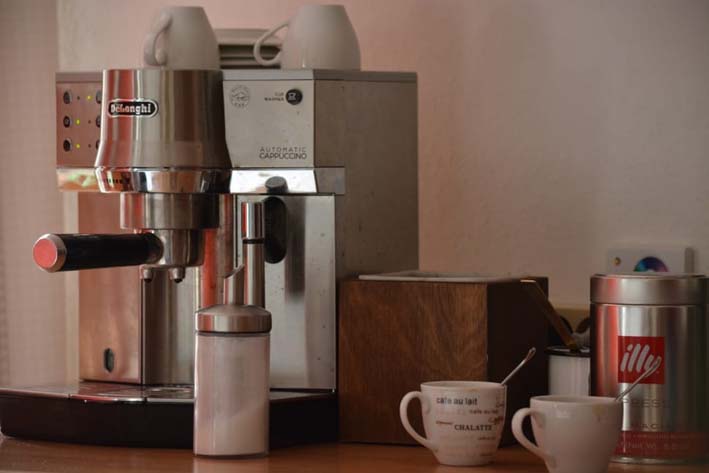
(636, 319)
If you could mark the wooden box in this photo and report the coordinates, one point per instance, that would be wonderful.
(393, 335)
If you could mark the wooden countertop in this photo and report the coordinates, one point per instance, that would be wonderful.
(21, 455)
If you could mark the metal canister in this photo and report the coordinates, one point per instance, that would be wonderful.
(637, 318)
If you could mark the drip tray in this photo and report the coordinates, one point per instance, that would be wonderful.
(148, 416)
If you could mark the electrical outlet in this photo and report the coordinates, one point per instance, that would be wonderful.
(650, 259)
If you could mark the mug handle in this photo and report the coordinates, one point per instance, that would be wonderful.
(151, 55)
(425, 408)
(264, 37)
(517, 420)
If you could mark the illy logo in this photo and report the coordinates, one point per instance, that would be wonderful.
(637, 354)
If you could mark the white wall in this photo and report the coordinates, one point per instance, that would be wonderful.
(549, 130)
(32, 323)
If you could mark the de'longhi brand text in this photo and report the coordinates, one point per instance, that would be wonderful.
(133, 108)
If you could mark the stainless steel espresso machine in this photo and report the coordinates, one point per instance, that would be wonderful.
(162, 161)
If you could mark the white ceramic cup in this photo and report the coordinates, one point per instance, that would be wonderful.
(181, 38)
(318, 37)
(463, 420)
(575, 434)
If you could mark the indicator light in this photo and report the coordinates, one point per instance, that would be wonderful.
(88, 97)
(78, 146)
(78, 122)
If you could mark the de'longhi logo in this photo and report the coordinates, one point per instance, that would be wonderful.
(132, 108)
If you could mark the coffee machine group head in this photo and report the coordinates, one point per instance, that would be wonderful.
(162, 148)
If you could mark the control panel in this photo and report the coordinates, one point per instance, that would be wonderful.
(270, 123)
(79, 98)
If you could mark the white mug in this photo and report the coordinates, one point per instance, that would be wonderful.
(186, 37)
(318, 37)
(569, 371)
(575, 434)
(463, 420)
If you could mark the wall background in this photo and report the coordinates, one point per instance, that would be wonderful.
(33, 327)
(550, 130)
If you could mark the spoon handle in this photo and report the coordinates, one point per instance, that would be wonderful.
(651, 369)
(530, 355)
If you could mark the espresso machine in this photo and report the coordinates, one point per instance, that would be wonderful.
(162, 161)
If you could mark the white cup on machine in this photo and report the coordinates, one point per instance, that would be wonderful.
(318, 37)
(574, 434)
(181, 38)
(463, 420)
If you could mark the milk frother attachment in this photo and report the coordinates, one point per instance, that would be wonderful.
(252, 238)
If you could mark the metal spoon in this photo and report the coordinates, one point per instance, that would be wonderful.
(530, 355)
(651, 369)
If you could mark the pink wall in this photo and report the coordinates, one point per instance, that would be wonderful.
(32, 322)
(550, 130)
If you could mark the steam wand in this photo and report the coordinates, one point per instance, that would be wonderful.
(246, 284)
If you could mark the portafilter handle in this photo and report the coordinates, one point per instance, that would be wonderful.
(68, 252)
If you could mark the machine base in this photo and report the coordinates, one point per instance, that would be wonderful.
(66, 414)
